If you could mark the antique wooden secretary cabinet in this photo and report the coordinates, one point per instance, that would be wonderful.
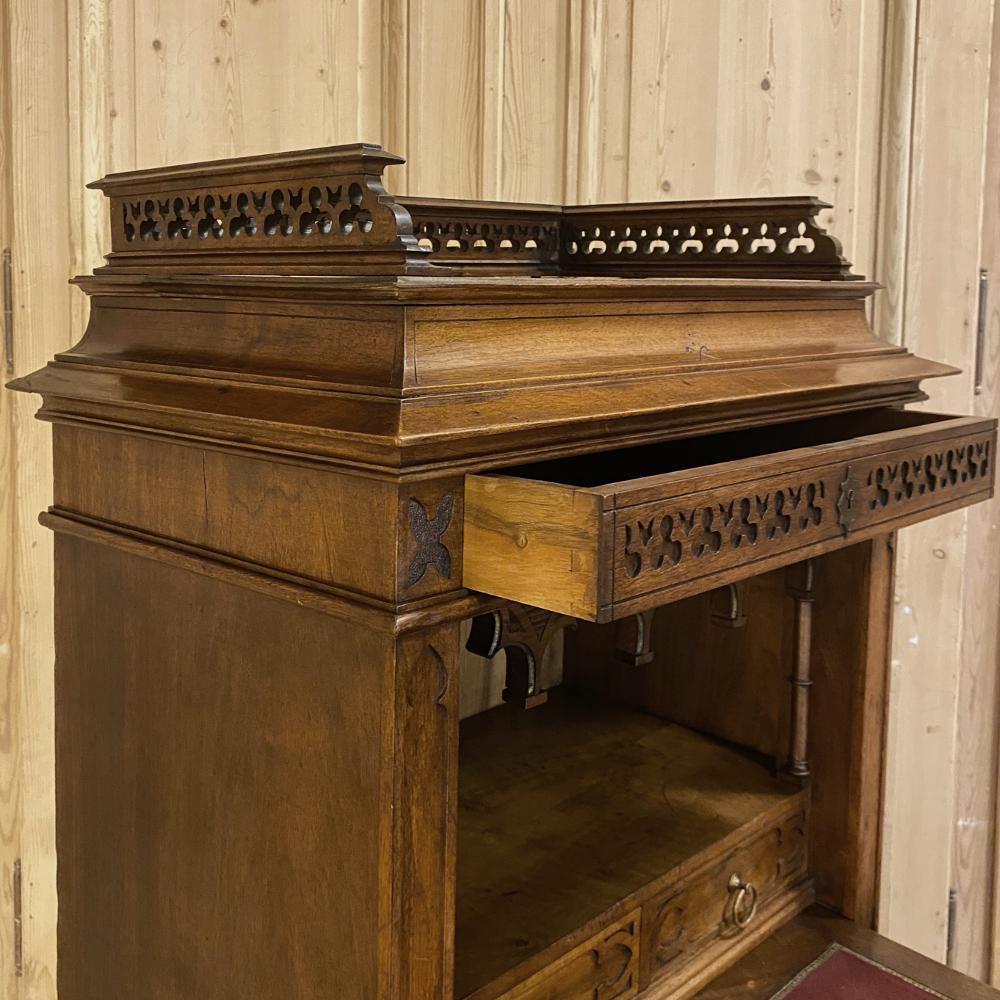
(317, 438)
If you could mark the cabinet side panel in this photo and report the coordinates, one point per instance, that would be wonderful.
(293, 518)
(218, 787)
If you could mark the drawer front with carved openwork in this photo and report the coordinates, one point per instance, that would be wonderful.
(551, 536)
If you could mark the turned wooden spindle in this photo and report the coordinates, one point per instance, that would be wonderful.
(801, 589)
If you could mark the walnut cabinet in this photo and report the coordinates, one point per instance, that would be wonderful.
(317, 438)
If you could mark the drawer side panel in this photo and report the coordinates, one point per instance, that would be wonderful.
(533, 542)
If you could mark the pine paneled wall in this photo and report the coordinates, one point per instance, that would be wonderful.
(878, 106)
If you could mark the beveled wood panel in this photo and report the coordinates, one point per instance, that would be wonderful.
(311, 344)
(221, 792)
(455, 346)
(550, 535)
(476, 427)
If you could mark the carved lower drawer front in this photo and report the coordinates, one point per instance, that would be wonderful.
(693, 922)
(722, 901)
(549, 537)
(604, 967)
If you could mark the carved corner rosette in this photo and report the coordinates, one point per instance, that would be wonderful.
(426, 532)
(524, 633)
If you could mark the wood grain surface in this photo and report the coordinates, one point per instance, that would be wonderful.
(632, 801)
(980, 691)
(200, 894)
(942, 713)
(642, 99)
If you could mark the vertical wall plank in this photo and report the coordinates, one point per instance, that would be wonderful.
(394, 77)
(534, 100)
(226, 77)
(11, 721)
(445, 125)
(894, 166)
(675, 68)
(977, 869)
(938, 315)
(40, 218)
(492, 49)
(600, 80)
(732, 103)
(100, 82)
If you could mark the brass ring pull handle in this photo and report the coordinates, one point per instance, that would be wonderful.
(744, 901)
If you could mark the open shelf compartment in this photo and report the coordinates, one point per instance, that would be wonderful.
(575, 814)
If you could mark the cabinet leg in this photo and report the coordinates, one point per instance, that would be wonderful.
(419, 878)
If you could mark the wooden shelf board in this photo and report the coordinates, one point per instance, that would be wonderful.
(568, 809)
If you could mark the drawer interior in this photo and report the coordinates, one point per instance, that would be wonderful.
(605, 469)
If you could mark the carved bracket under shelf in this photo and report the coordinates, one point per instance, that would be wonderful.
(524, 633)
(634, 639)
(729, 606)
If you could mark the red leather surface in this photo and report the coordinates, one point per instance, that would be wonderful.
(842, 975)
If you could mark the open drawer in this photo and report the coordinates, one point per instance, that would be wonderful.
(605, 535)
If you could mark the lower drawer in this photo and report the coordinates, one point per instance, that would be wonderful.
(693, 924)
(605, 966)
(666, 940)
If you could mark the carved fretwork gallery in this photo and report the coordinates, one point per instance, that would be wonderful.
(313, 431)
